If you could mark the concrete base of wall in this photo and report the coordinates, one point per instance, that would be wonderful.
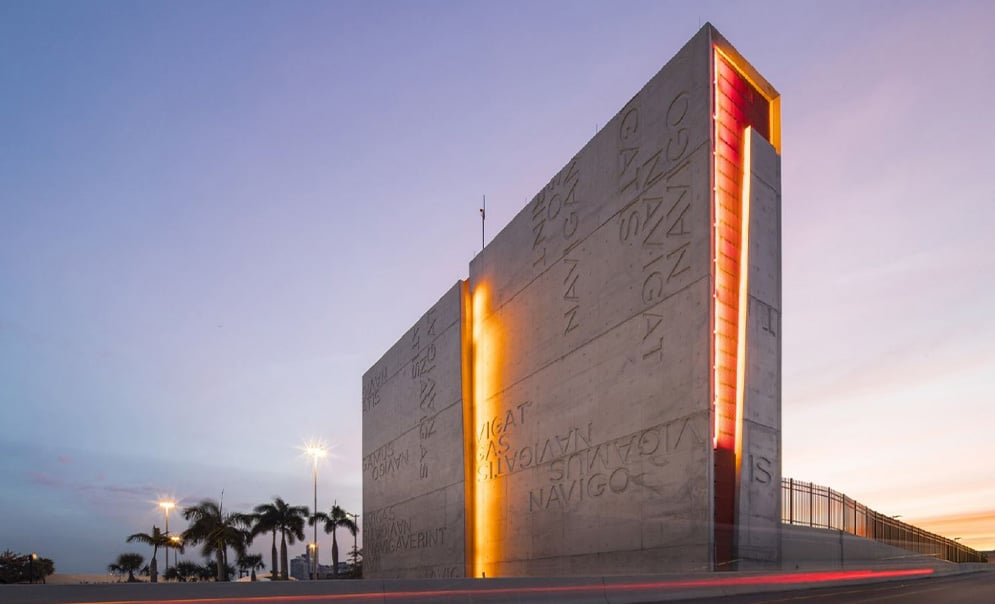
(805, 548)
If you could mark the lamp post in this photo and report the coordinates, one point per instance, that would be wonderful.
(166, 505)
(32, 564)
(316, 452)
(176, 541)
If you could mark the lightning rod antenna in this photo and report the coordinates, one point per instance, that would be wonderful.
(483, 217)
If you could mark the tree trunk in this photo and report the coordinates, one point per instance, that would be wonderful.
(273, 569)
(154, 571)
(221, 565)
(283, 557)
(335, 556)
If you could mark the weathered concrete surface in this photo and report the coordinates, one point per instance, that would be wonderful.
(598, 292)
(413, 470)
(806, 548)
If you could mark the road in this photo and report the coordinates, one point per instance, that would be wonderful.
(973, 588)
(891, 586)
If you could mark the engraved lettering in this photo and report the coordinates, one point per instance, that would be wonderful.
(760, 469)
(371, 388)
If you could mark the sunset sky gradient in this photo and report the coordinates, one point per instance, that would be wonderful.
(215, 216)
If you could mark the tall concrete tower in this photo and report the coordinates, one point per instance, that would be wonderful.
(603, 393)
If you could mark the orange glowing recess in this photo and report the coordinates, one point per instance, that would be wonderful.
(469, 452)
(740, 108)
(726, 254)
(486, 496)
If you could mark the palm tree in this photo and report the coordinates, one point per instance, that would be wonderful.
(185, 570)
(157, 539)
(217, 531)
(288, 520)
(127, 563)
(210, 570)
(338, 518)
(249, 564)
(264, 520)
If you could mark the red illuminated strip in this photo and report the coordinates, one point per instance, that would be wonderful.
(730, 123)
(756, 580)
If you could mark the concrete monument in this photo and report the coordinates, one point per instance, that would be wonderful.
(602, 395)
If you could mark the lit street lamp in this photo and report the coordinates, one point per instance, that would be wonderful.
(312, 555)
(32, 563)
(166, 505)
(315, 451)
(176, 541)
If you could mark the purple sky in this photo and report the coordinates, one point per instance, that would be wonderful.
(215, 216)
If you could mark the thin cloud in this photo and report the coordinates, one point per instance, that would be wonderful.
(143, 491)
(94, 491)
(45, 480)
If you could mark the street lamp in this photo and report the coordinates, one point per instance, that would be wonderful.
(32, 563)
(316, 451)
(166, 505)
(177, 542)
(312, 554)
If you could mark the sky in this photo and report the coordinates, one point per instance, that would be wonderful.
(215, 216)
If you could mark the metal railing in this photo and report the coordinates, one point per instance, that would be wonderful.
(808, 504)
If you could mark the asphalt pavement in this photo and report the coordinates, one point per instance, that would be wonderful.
(946, 585)
(973, 588)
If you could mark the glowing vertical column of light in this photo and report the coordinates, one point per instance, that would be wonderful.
(726, 254)
(469, 421)
(744, 292)
(485, 494)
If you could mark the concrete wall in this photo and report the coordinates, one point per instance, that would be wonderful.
(597, 295)
(758, 518)
(805, 548)
(413, 470)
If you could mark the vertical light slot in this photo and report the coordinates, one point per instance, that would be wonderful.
(727, 160)
(744, 291)
(486, 495)
(715, 250)
(469, 422)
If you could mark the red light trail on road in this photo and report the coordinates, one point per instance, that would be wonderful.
(809, 578)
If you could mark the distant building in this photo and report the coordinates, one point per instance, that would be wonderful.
(300, 568)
